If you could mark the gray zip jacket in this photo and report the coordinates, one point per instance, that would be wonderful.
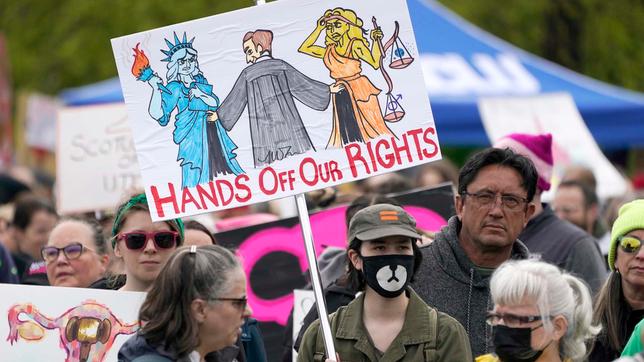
(448, 281)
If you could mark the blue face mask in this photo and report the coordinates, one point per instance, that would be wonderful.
(388, 275)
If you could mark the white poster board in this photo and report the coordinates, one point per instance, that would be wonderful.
(572, 142)
(219, 121)
(40, 119)
(96, 156)
(303, 300)
(65, 324)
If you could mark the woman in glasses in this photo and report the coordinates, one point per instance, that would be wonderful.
(540, 314)
(194, 310)
(144, 246)
(620, 303)
(76, 253)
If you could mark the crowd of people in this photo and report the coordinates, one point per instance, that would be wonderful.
(509, 278)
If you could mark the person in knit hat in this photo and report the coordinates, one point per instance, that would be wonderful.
(557, 241)
(620, 303)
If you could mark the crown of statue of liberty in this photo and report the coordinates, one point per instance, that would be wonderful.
(178, 45)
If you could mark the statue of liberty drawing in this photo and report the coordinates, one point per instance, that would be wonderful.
(205, 149)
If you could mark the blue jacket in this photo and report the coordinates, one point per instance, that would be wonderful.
(137, 349)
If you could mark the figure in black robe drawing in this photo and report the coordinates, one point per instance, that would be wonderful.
(268, 86)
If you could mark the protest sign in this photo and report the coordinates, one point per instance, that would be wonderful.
(273, 101)
(95, 154)
(572, 142)
(274, 260)
(303, 300)
(65, 324)
(40, 121)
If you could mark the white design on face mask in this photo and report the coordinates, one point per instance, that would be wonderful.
(392, 277)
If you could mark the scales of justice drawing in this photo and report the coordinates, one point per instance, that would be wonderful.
(399, 58)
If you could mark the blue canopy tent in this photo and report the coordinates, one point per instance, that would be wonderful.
(461, 63)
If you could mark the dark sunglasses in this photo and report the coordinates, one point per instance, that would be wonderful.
(237, 302)
(71, 251)
(629, 244)
(136, 240)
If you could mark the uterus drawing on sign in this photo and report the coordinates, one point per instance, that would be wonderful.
(87, 331)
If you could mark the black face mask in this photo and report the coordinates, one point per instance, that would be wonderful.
(513, 344)
(388, 275)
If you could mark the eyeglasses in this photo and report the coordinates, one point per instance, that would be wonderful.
(240, 303)
(136, 240)
(629, 244)
(488, 199)
(71, 251)
(511, 320)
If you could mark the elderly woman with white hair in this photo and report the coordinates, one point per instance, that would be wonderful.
(540, 314)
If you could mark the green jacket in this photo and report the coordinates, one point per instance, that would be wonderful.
(427, 335)
(634, 344)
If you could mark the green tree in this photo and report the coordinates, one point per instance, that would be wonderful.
(57, 44)
(601, 39)
(54, 44)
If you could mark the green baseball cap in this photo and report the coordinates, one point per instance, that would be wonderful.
(382, 220)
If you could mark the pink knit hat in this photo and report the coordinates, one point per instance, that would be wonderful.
(538, 148)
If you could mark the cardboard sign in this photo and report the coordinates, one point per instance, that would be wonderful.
(303, 300)
(572, 142)
(272, 101)
(65, 324)
(274, 259)
(40, 119)
(96, 155)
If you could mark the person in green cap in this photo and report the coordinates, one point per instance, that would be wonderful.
(388, 321)
(620, 303)
(143, 245)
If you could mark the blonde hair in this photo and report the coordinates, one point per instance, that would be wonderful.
(555, 293)
(355, 30)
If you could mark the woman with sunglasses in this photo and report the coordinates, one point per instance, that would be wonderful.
(620, 303)
(76, 253)
(194, 310)
(540, 314)
(144, 246)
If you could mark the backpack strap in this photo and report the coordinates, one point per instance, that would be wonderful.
(430, 347)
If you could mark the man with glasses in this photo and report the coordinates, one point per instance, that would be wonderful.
(557, 241)
(493, 205)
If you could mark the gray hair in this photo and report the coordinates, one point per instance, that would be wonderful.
(211, 269)
(205, 274)
(96, 231)
(555, 293)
